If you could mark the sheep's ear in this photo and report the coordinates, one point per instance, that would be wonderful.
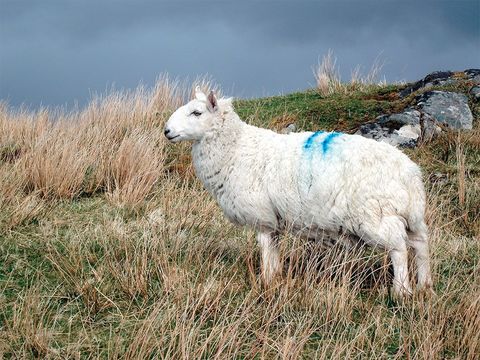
(199, 95)
(212, 104)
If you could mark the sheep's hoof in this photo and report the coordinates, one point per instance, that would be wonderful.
(271, 281)
(270, 288)
(426, 291)
(401, 294)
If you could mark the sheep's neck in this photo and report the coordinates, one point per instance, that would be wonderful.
(213, 156)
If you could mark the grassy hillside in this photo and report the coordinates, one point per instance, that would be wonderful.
(110, 248)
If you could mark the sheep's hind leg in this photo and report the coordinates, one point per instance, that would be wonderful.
(401, 283)
(270, 256)
(418, 240)
(392, 235)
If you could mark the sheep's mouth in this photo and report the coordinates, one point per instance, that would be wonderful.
(170, 138)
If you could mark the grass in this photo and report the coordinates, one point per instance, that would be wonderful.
(110, 247)
(310, 110)
(329, 82)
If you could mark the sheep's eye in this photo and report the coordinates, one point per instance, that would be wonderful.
(196, 113)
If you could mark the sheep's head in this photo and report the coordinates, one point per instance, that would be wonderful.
(195, 119)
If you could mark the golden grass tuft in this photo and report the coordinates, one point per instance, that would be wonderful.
(114, 145)
(136, 167)
(328, 80)
(327, 75)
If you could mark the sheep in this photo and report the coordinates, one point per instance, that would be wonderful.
(310, 183)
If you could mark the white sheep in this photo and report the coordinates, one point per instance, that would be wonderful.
(310, 183)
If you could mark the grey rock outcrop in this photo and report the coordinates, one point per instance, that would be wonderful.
(473, 75)
(434, 78)
(402, 130)
(407, 137)
(448, 108)
(442, 78)
(475, 92)
(429, 112)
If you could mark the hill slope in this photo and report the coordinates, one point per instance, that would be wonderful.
(109, 246)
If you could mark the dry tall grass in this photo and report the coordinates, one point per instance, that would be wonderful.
(328, 80)
(109, 248)
(115, 145)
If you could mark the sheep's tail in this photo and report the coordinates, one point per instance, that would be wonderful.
(416, 208)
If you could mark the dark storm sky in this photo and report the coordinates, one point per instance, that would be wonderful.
(59, 52)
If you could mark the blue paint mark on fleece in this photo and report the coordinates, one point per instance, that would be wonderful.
(309, 142)
(325, 144)
(328, 141)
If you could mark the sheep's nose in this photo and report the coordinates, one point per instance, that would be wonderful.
(166, 131)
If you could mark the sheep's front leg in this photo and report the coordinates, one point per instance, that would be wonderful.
(268, 242)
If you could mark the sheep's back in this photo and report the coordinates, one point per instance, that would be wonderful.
(328, 180)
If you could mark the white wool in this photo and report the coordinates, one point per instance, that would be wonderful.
(307, 182)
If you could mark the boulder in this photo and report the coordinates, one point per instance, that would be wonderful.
(402, 130)
(396, 121)
(434, 78)
(407, 139)
(431, 110)
(442, 78)
(475, 92)
(448, 108)
(473, 75)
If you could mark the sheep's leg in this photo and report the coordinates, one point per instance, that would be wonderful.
(418, 240)
(401, 283)
(392, 235)
(270, 256)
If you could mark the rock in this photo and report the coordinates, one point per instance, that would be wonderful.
(437, 77)
(473, 75)
(431, 109)
(289, 128)
(403, 129)
(429, 126)
(434, 78)
(448, 108)
(442, 78)
(438, 178)
(408, 117)
(475, 92)
(409, 133)
(388, 131)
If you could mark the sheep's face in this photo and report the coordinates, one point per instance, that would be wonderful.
(193, 120)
